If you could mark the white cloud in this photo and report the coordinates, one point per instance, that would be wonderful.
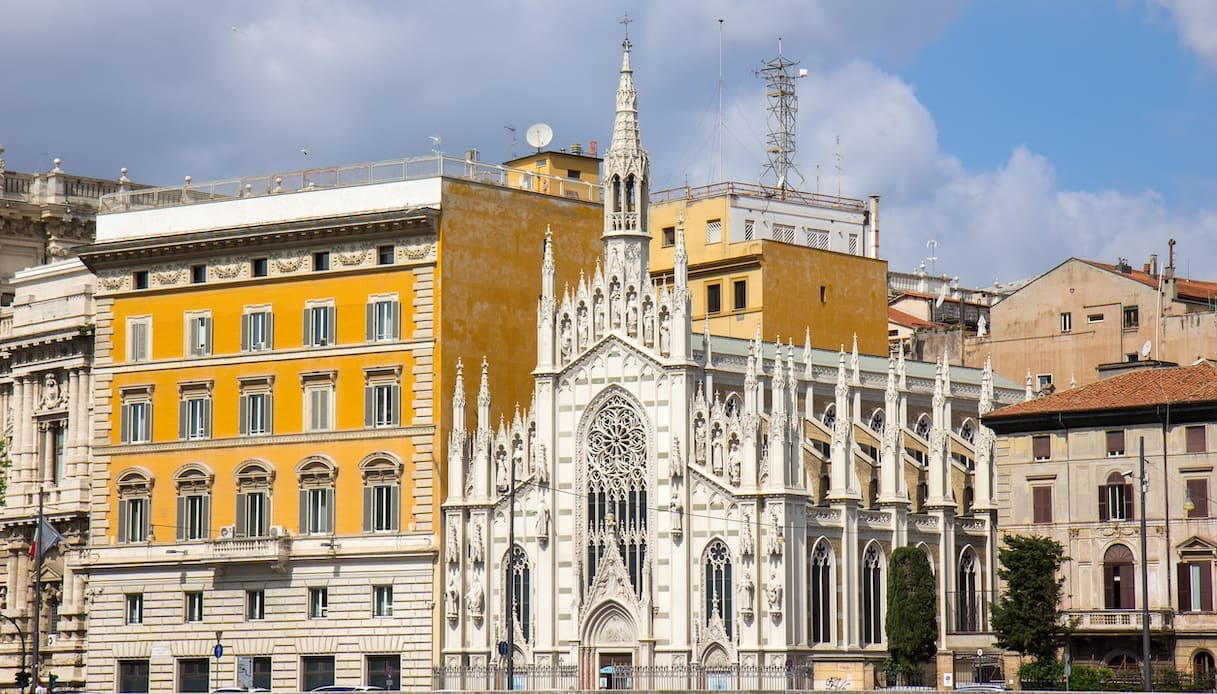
(1196, 22)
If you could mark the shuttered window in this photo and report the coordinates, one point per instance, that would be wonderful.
(381, 404)
(198, 334)
(383, 320)
(1041, 502)
(1041, 447)
(193, 517)
(317, 511)
(257, 331)
(1196, 586)
(1198, 495)
(194, 418)
(139, 331)
(319, 326)
(1115, 443)
(319, 401)
(380, 508)
(1196, 439)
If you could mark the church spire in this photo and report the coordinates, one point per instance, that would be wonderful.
(626, 181)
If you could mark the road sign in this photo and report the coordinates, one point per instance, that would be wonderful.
(219, 651)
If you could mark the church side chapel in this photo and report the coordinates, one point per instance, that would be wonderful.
(686, 510)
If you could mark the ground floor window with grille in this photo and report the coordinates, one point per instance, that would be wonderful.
(193, 675)
(133, 676)
(384, 671)
(316, 671)
(382, 601)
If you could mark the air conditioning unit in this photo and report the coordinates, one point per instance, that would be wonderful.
(277, 531)
(228, 531)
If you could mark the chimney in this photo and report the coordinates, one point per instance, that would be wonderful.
(591, 148)
(1170, 265)
(577, 148)
(1152, 267)
(874, 226)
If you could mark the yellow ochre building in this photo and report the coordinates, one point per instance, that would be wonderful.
(268, 360)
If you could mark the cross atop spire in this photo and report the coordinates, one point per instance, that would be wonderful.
(626, 21)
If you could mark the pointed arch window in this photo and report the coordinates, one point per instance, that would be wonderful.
(877, 421)
(521, 587)
(820, 594)
(830, 415)
(967, 431)
(923, 427)
(872, 598)
(719, 604)
(967, 616)
(617, 489)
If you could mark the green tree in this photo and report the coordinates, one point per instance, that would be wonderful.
(1027, 617)
(912, 610)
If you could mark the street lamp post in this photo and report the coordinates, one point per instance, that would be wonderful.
(1145, 663)
(21, 634)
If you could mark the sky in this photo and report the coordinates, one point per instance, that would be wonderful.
(1004, 136)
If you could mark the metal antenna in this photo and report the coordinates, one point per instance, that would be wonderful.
(783, 106)
(720, 100)
(837, 154)
(512, 129)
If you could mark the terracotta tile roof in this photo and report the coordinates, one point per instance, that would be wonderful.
(1196, 290)
(907, 319)
(1143, 388)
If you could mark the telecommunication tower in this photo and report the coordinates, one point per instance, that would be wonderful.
(782, 107)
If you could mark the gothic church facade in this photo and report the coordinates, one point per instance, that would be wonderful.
(677, 500)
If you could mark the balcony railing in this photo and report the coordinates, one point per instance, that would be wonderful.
(750, 190)
(1118, 620)
(328, 178)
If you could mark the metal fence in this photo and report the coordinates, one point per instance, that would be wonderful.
(652, 678)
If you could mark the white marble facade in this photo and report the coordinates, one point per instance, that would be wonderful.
(684, 499)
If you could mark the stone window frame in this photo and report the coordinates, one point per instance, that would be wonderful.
(254, 476)
(317, 477)
(376, 378)
(381, 470)
(255, 386)
(373, 331)
(193, 480)
(197, 332)
(134, 485)
(312, 383)
(138, 350)
(194, 391)
(247, 344)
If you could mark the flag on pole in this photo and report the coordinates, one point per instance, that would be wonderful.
(45, 537)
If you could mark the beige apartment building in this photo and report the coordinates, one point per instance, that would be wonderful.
(1068, 468)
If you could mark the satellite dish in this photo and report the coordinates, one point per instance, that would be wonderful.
(1145, 349)
(539, 135)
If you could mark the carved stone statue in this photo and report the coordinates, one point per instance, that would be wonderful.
(747, 592)
(50, 391)
(477, 552)
(541, 464)
(452, 601)
(543, 522)
(648, 324)
(500, 471)
(745, 538)
(475, 601)
(699, 440)
(566, 344)
(678, 516)
(733, 461)
(775, 538)
(664, 329)
(773, 592)
(676, 463)
(453, 551)
(583, 334)
(631, 314)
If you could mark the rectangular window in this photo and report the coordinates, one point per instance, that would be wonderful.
(135, 608)
(259, 267)
(749, 229)
(256, 330)
(853, 244)
(1115, 443)
(193, 516)
(253, 515)
(319, 407)
(669, 236)
(714, 298)
(316, 511)
(139, 279)
(740, 289)
(1066, 322)
(198, 334)
(1196, 442)
(714, 231)
(321, 260)
(783, 233)
(384, 255)
(1094, 318)
(193, 675)
(380, 502)
(133, 677)
(818, 238)
(1041, 502)
(254, 412)
(382, 601)
(1041, 447)
(255, 605)
(382, 397)
(383, 319)
(318, 603)
(1132, 317)
(194, 606)
(260, 666)
(316, 671)
(194, 417)
(1196, 586)
(1197, 497)
(136, 422)
(139, 339)
(133, 520)
(1043, 381)
(319, 325)
(384, 672)
(198, 274)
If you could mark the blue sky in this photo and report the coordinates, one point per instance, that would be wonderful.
(1015, 134)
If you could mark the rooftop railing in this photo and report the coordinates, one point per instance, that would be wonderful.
(755, 191)
(329, 178)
